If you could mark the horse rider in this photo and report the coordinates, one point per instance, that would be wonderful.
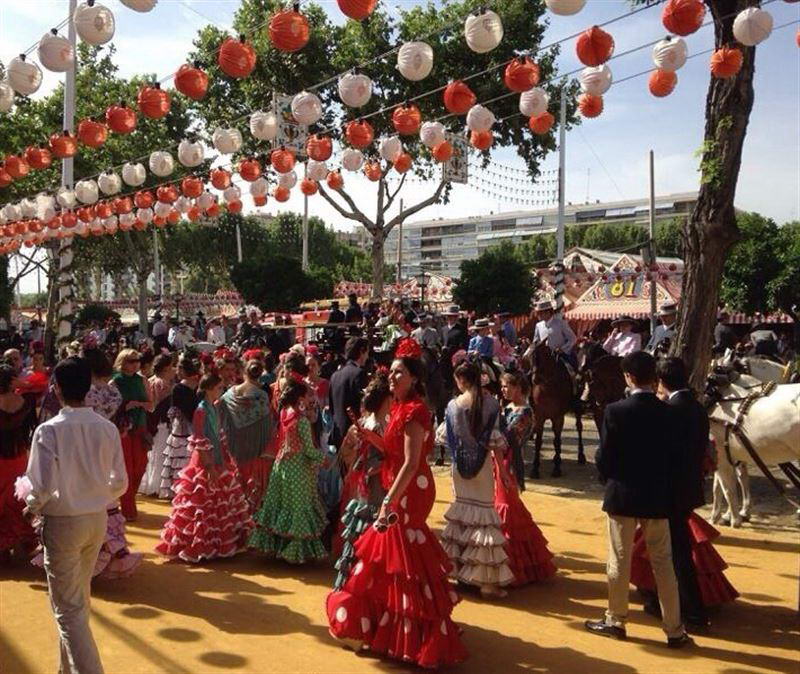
(554, 331)
(668, 314)
(426, 335)
(764, 341)
(623, 341)
(503, 319)
(482, 343)
(454, 333)
(724, 336)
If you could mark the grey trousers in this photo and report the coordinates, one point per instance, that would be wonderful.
(71, 545)
(620, 546)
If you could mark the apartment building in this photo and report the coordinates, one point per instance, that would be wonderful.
(441, 245)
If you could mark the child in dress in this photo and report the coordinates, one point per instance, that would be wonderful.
(291, 519)
(183, 403)
(210, 517)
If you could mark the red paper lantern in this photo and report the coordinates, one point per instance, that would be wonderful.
(69, 219)
(335, 180)
(191, 81)
(120, 118)
(159, 221)
(16, 166)
(662, 82)
(167, 193)
(594, 46)
(5, 177)
(289, 30)
(308, 187)
(63, 145)
(319, 148)
(403, 162)
(172, 217)
(153, 101)
(220, 178)
(373, 171)
(249, 169)
(521, 74)
(281, 193)
(86, 213)
(282, 160)
(143, 199)
(91, 133)
(407, 119)
(359, 133)
(38, 157)
(590, 105)
(683, 17)
(54, 223)
(726, 62)
(193, 213)
(443, 151)
(104, 210)
(123, 205)
(541, 124)
(357, 9)
(481, 140)
(260, 200)
(458, 98)
(213, 210)
(192, 187)
(236, 58)
(234, 206)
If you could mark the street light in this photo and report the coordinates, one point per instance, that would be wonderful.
(422, 281)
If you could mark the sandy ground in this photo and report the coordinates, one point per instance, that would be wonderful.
(250, 615)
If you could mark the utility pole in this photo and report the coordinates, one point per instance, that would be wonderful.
(400, 249)
(652, 242)
(157, 264)
(558, 267)
(238, 243)
(305, 223)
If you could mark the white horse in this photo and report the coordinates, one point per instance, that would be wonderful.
(772, 425)
(764, 369)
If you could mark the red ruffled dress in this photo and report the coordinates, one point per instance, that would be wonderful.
(528, 556)
(715, 588)
(210, 517)
(15, 430)
(397, 599)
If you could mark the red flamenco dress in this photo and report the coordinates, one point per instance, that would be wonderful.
(528, 556)
(15, 429)
(715, 588)
(397, 599)
(210, 515)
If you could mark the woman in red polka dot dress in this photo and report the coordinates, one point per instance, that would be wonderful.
(397, 600)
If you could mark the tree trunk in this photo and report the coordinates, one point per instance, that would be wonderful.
(378, 239)
(142, 302)
(65, 292)
(6, 291)
(711, 230)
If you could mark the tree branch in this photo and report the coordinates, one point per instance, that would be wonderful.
(400, 217)
(356, 214)
(396, 192)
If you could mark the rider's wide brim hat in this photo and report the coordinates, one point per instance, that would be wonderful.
(668, 309)
(544, 305)
(623, 319)
(482, 323)
(452, 310)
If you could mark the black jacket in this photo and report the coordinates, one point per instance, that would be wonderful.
(635, 458)
(345, 392)
(456, 338)
(692, 419)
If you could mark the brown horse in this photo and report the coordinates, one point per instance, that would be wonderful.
(553, 396)
(603, 376)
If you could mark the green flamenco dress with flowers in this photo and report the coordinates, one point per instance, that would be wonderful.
(291, 519)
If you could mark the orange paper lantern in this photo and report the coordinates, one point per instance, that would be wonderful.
(726, 62)
(521, 74)
(191, 81)
(359, 133)
(319, 148)
(104, 210)
(403, 162)
(143, 199)
(458, 98)
(662, 82)
(38, 157)
(5, 177)
(123, 205)
(335, 180)
(443, 151)
(213, 210)
(91, 133)
(590, 105)
(373, 171)
(69, 219)
(541, 124)
(260, 200)
(220, 179)
(683, 17)
(481, 140)
(173, 217)
(249, 169)
(281, 193)
(357, 9)
(234, 206)
(193, 213)
(16, 166)
(63, 145)
(120, 118)
(289, 30)
(153, 101)
(167, 193)
(594, 46)
(308, 187)
(282, 160)
(407, 119)
(236, 58)
(192, 187)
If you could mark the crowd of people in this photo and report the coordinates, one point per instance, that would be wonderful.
(305, 451)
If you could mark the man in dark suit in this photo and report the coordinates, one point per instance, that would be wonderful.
(634, 461)
(687, 481)
(347, 385)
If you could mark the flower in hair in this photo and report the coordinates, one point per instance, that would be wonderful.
(408, 348)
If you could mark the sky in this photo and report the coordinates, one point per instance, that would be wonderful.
(606, 157)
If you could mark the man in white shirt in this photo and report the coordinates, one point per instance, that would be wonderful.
(178, 336)
(668, 313)
(160, 332)
(216, 332)
(623, 341)
(426, 335)
(554, 331)
(75, 470)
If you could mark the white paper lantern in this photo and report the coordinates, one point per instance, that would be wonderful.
(480, 118)
(232, 193)
(670, 53)
(182, 204)
(483, 31)
(109, 183)
(140, 5)
(206, 200)
(94, 22)
(752, 25)
(110, 224)
(306, 108)
(96, 226)
(227, 141)
(415, 60)
(144, 215)
(24, 77)
(87, 191)
(264, 125)
(133, 174)
(66, 197)
(391, 148)
(162, 209)
(259, 187)
(190, 153)
(355, 89)
(534, 102)
(565, 7)
(6, 96)
(316, 170)
(161, 163)
(45, 213)
(595, 81)
(352, 159)
(55, 52)
(432, 134)
(50, 233)
(126, 220)
(44, 201)
(287, 180)
(12, 212)
(28, 207)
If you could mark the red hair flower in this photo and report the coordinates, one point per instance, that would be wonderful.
(408, 348)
